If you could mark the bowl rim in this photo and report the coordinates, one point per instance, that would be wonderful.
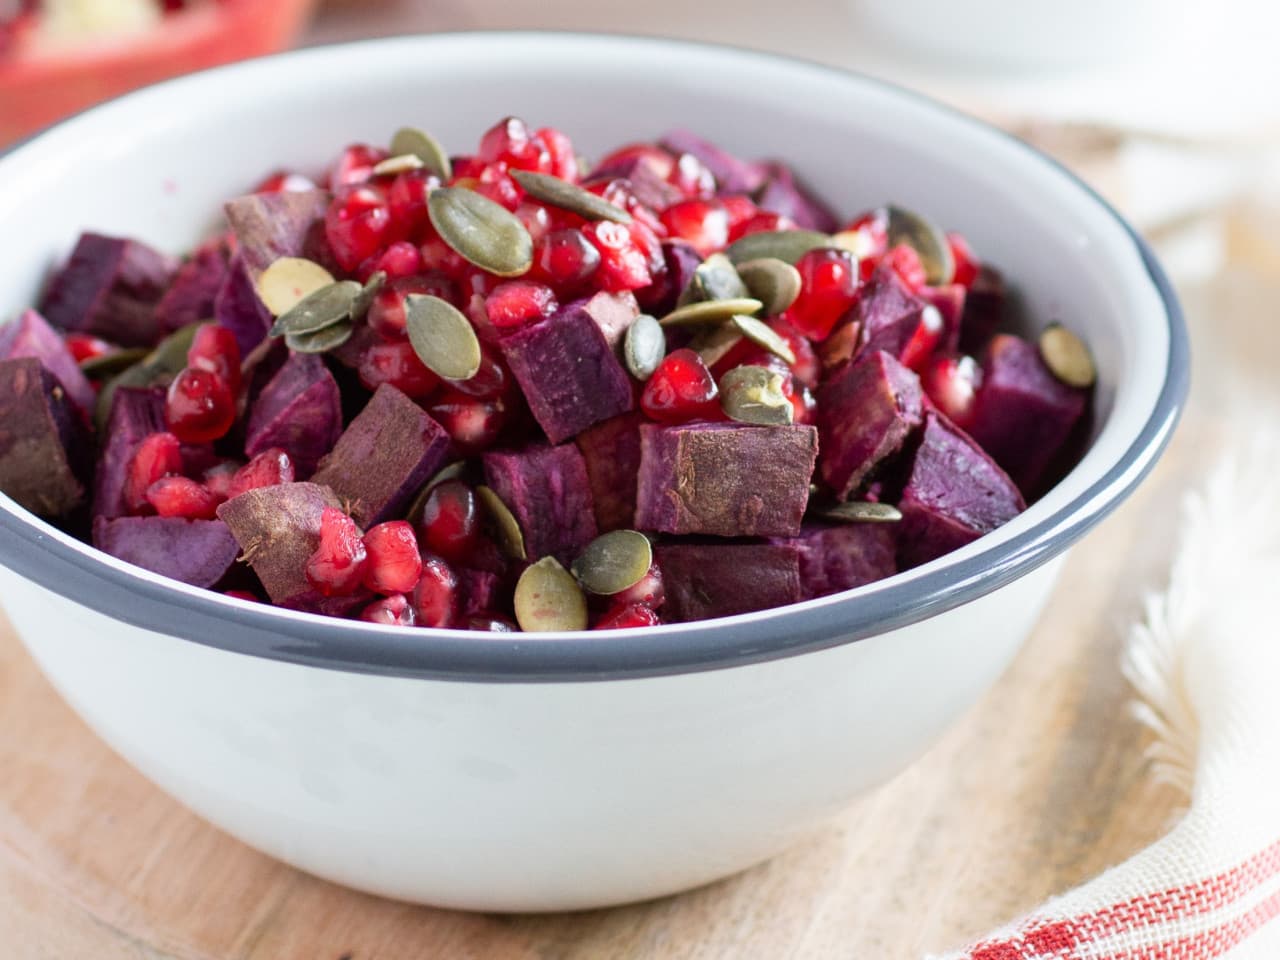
(40, 553)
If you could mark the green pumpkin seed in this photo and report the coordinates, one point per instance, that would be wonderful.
(714, 343)
(508, 528)
(419, 143)
(398, 163)
(1067, 357)
(764, 337)
(450, 471)
(714, 279)
(442, 337)
(288, 281)
(320, 341)
(547, 598)
(856, 511)
(360, 306)
(710, 312)
(158, 367)
(752, 394)
(326, 307)
(568, 196)
(482, 232)
(785, 245)
(773, 282)
(927, 240)
(644, 346)
(614, 561)
(109, 364)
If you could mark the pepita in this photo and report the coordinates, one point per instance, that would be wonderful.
(773, 282)
(714, 343)
(714, 279)
(398, 163)
(320, 341)
(1067, 357)
(442, 337)
(613, 562)
(785, 245)
(109, 364)
(751, 394)
(710, 312)
(568, 196)
(547, 598)
(481, 231)
(419, 143)
(288, 281)
(504, 521)
(764, 337)
(643, 347)
(326, 307)
(927, 241)
(451, 471)
(857, 511)
(364, 299)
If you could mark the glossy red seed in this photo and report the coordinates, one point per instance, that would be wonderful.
(386, 313)
(358, 225)
(804, 407)
(966, 261)
(924, 340)
(659, 161)
(738, 209)
(435, 596)
(158, 455)
(355, 165)
(953, 383)
(519, 303)
(495, 182)
(626, 616)
(337, 565)
(490, 623)
(215, 349)
(680, 390)
(438, 255)
(220, 477)
(393, 611)
(267, 469)
(490, 382)
(648, 590)
(829, 285)
(623, 265)
(535, 217)
(240, 595)
(397, 364)
(407, 200)
(282, 181)
(472, 423)
(762, 222)
(691, 177)
(84, 347)
(564, 160)
(400, 260)
(183, 497)
(704, 223)
(618, 192)
(567, 258)
(509, 141)
(199, 407)
(394, 563)
(906, 264)
(868, 236)
(450, 522)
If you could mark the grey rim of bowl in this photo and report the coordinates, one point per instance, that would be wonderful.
(78, 572)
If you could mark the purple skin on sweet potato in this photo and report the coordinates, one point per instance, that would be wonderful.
(724, 479)
(109, 288)
(236, 306)
(733, 175)
(547, 491)
(568, 372)
(705, 580)
(984, 308)
(835, 558)
(43, 440)
(682, 260)
(949, 302)
(1024, 414)
(389, 450)
(954, 494)
(136, 413)
(887, 313)
(611, 452)
(194, 290)
(273, 225)
(278, 529)
(866, 410)
(198, 552)
(299, 410)
(782, 193)
(31, 336)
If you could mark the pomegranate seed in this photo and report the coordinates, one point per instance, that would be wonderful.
(467, 168)
(182, 497)
(564, 161)
(240, 595)
(967, 262)
(906, 264)
(268, 469)
(924, 340)
(394, 563)
(623, 266)
(519, 303)
(496, 184)
(704, 223)
(472, 423)
(680, 390)
(536, 219)
(397, 364)
(386, 312)
(84, 347)
(659, 161)
(220, 478)
(358, 225)
(691, 177)
(435, 596)
(509, 141)
(394, 611)
(953, 383)
(762, 222)
(618, 192)
(648, 590)
(621, 617)
(438, 255)
(490, 623)
(450, 521)
(215, 349)
(829, 285)
(868, 239)
(199, 407)
(407, 200)
(490, 382)
(738, 209)
(355, 165)
(337, 566)
(158, 455)
(398, 261)
(283, 181)
(567, 258)
(807, 367)
(804, 407)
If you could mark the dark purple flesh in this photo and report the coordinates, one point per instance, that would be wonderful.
(198, 552)
(43, 440)
(31, 336)
(299, 410)
(547, 491)
(611, 452)
(705, 580)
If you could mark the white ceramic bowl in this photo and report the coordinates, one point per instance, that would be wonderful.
(563, 771)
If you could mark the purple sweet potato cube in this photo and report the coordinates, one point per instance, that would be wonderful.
(949, 302)
(682, 260)
(236, 306)
(782, 193)
(194, 290)
(198, 552)
(273, 225)
(481, 592)
(31, 336)
(705, 580)
(733, 175)
(983, 310)
(43, 441)
(725, 479)
(835, 558)
(547, 491)
(866, 410)
(109, 288)
(611, 452)
(568, 372)
(136, 413)
(954, 494)
(278, 529)
(1024, 414)
(887, 313)
(385, 455)
(299, 410)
